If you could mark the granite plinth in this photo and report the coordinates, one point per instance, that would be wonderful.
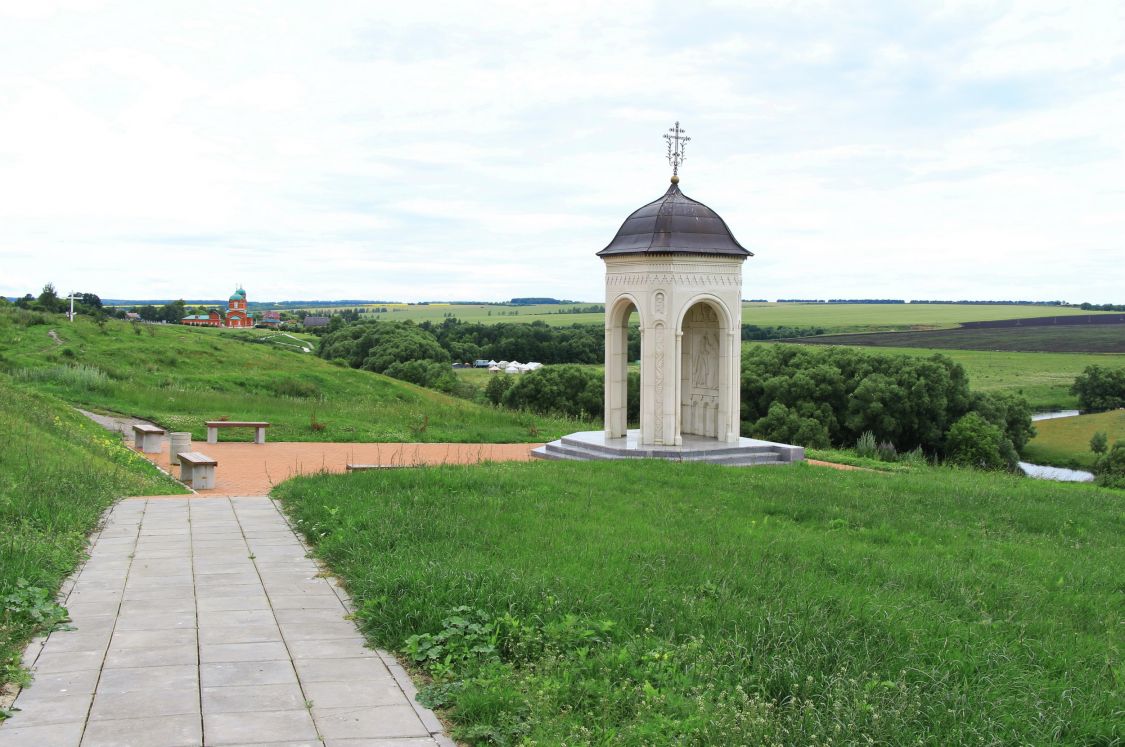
(593, 446)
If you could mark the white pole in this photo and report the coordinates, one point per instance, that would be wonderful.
(72, 306)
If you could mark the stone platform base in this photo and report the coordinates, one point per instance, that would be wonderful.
(593, 445)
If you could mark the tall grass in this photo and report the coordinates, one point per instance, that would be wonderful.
(655, 604)
(80, 377)
(58, 473)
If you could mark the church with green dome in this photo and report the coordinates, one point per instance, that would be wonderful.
(237, 315)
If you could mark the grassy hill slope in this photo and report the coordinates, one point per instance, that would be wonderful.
(58, 473)
(1065, 442)
(179, 376)
(649, 603)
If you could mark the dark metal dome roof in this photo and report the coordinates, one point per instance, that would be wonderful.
(674, 224)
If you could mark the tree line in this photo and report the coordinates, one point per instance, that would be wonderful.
(816, 397)
(822, 397)
(825, 397)
(464, 342)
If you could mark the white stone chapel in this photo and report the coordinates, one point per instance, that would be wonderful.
(675, 264)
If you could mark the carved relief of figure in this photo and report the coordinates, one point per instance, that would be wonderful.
(703, 370)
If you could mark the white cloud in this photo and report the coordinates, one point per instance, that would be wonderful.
(470, 151)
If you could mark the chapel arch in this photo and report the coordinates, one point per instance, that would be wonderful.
(708, 370)
(617, 318)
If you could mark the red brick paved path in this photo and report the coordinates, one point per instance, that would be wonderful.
(253, 469)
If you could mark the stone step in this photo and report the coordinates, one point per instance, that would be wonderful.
(719, 455)
(658, 452)
(561, 450)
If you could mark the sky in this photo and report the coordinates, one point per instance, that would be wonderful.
(481, 151)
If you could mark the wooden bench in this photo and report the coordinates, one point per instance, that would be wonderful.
(197, 470)
(213, 427)
(147, 438)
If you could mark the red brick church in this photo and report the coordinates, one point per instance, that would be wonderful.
(237, 315)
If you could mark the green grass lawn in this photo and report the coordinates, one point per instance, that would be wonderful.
(179, 376)
(1065, 442)
(58, 473)
(648, 603)
(1044, 379)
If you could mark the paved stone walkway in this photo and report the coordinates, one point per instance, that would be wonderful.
(201, 622)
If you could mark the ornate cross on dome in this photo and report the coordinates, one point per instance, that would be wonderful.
(677, 142)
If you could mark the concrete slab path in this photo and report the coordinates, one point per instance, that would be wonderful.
(200, 621)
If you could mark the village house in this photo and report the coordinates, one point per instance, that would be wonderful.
(271, 319)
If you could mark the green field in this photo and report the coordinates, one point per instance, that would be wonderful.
(1084, 338)
(858, 317)
(651, 603)
(58, 473)
(832, 317)
(1044, 379)
(179, 376)
(1065, 442)
(486, 313)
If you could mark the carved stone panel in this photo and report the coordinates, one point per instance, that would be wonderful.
(705, 361)
(658, 375)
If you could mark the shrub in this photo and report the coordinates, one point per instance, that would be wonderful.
(1099, 442)
(1099, 389)
(1109, 469)
(378, 346)
(572, 391)
(906, 400)
(865, 445)
(497, 386)
(974, 442)
(789, 426)
(1009, 412)
(26, 318)
(886, 452)
(296, 388)
(424, 373)
(915, 456)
